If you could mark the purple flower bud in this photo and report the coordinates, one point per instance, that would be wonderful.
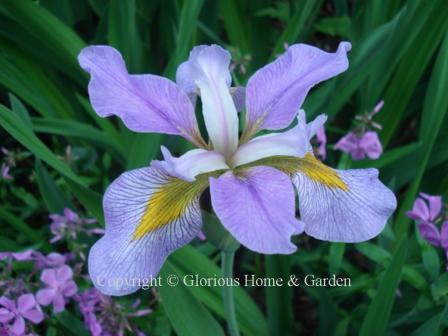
(378, 107)
(68, 225)
(4, 172)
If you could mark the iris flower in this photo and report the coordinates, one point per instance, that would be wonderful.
(253, 179)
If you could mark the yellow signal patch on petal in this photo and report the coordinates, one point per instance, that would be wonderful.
(318, 172)
(308, 165)
(168, 203)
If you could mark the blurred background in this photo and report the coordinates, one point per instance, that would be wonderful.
(58, 154)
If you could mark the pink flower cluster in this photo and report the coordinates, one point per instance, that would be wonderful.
(14, 313)
(59, 287)
(51, 284)
(360, 146)
(363, 141)
(69, 225)
(103, 317)
(427, 212)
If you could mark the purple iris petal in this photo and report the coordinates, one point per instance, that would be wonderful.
(275, 92)
(311, 128)
(239, 97)
(354, 215)
(256, 205)
(207, 70)
(117, 255)
(258, 209)
(293, 142)
(146, 103)
(192, 163)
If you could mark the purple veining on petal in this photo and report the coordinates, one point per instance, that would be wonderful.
(275, 92)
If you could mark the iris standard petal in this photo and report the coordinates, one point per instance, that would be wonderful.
(207, 69)
(148, 215)
(145, 103)
(293, 142)
(258, 208)
(312, 127)
(342, 205)
(275, 92)
(239, 97)
(191, 164)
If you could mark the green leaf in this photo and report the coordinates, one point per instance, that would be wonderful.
(250, 319)
(71, 128)
(145, 148)
(431, 261)
(90, 199)
(404, 82)
(15, 126)
(20, 226)
(187, 315)
(432, 326)
(334, 26)
(327, 314)
(234, 24)
(26, 78)
(217, 234)
(336, 255)
(375, 322)
(52, 195)
(279, 302)
(123, 32)
(20, 109)
(389, 157)
(71, 324)
(434, 111)
(187, 25)
(304, 11)
(51, 34)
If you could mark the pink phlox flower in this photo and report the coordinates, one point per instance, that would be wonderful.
(59, 287)
(13, 314)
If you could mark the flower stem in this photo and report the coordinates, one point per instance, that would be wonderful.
(227, 292)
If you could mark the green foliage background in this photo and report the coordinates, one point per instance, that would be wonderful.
(399, 54)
